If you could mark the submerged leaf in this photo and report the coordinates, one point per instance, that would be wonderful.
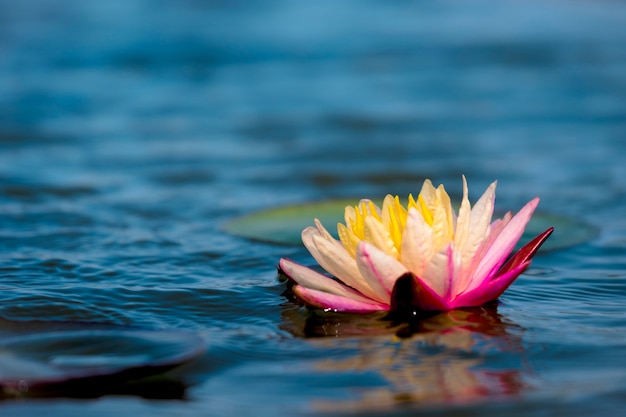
(41, 358)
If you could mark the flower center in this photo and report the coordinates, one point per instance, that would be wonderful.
(385, 227)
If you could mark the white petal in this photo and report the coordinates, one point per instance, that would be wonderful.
(441, 272)
(428, 194)
(338, 262)
(314, 280)
(378, 268)
(461, 233)
(307, 239)
(442, 218)
(417, 243)
(323, 231)
(480, 218)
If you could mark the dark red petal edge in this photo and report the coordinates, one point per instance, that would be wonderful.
(525, 253)
(411, 294)
(403, 295)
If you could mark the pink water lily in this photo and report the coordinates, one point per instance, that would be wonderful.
(424, 254)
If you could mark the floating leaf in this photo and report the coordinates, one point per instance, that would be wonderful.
(39, 356)
(282, 225)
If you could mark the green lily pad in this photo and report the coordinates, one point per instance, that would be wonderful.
(283, 225)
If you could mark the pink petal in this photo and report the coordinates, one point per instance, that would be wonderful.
(470, 267)
(490, 290)
(502, 245)
(378, 268)
(314, 280)
(326, 301)
(427, 298)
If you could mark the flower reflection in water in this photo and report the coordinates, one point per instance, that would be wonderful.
(459, 356)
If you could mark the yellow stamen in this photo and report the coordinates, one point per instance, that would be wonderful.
(385, 227)
(348, 239)
(412, 203)
(394, 229)
(428, 216)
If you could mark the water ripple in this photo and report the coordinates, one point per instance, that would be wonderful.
(131, 132)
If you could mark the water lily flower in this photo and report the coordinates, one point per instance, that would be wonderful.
(423, 256)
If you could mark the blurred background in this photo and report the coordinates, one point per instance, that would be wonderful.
(130, 131)
(329, 93)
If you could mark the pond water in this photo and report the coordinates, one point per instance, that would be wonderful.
(132, 131)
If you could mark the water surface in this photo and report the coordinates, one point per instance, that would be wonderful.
(130, 131)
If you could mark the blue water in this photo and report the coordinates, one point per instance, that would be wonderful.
(131, 131)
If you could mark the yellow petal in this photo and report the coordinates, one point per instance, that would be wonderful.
(442, 218)
(423, 207)
(428, 193)
(348, 238)
(349, 215)
(376, 234)
(394, 218)
(412, 203)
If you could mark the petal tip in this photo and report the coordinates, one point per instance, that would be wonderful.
(281, 266)
(527, 252)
